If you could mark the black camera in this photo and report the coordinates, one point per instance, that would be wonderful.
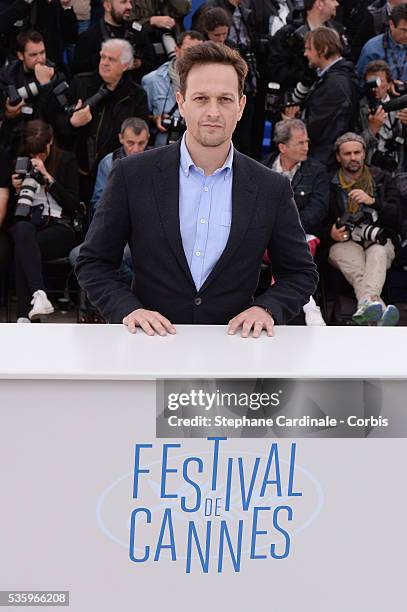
(92, 101)
(276, 100)
(361, 228)
(17, 95)
(394, 104)
(175, 126)
(387, 160)
(32, 179)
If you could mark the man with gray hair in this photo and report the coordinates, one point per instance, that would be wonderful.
(310, 184)
(96, 122)
(364, 220)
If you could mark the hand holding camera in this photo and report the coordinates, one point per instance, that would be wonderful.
(339, 234)
(16, 181)
(38, 165)
(82, 116)
(12, 111)
(376, 120)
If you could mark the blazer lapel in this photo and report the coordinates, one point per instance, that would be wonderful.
(166, 192)
(244, 192)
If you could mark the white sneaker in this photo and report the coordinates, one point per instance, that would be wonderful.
(40, 305)
(313, 314)
(23, 320)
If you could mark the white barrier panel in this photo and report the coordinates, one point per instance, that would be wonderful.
(95, 504)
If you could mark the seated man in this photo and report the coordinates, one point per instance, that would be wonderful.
(364, 214)
(134, 135)
(310, 184)
(95, 124)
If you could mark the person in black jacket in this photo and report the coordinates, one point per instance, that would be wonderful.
(46, 200)
(38, 77)
(310, 184)
(363, 201)
(95, 128)
(115, 23)
(287, 65)
(332, 104)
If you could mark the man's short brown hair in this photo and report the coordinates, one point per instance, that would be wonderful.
(211, 53)
(376, 66)
(326, 41)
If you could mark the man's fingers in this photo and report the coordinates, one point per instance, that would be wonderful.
(167, 324)
(150, 322)
(258, 326)
(234, 324)
(246, 327)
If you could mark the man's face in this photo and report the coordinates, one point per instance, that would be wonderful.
(399, 33)
(328, 9)
(133, 143)
(351, 156)
(314, 58)
(218, 34)
(34, 53)
(111, 68)
(211, 106)
(381, 91)
(119, 10)
(186, 43)
(296, 149)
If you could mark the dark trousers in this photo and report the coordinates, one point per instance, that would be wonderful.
(31, 248)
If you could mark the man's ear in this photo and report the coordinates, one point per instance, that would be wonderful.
(20, 56)
(180, 101)
(242, 104)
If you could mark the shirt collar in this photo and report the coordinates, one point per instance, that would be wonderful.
(321, 71)
(290, 173)
(187, 163)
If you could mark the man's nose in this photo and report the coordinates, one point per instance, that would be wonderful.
(213, 108)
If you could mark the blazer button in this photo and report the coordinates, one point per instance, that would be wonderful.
(197, 301)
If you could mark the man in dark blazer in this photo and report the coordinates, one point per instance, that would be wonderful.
(149, 203)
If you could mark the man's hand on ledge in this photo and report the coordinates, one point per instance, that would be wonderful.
(255, 318)
(150, 321)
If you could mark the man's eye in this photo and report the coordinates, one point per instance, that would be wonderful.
(200, 98)
(225, 99)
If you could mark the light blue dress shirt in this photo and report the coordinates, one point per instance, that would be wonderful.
(205, 213)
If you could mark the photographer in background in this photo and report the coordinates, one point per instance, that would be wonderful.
(116, 23)
(390, 46)
(162, 84)
(383, 132)
(27, 88)
(364, 215)
(102, 99)
(287, 64)
(332, 104)
(310, 184)
(47, 196)
(220, 26)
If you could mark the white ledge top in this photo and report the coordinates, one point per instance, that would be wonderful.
(110, 352)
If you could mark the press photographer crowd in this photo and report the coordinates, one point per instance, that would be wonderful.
(84, 83)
